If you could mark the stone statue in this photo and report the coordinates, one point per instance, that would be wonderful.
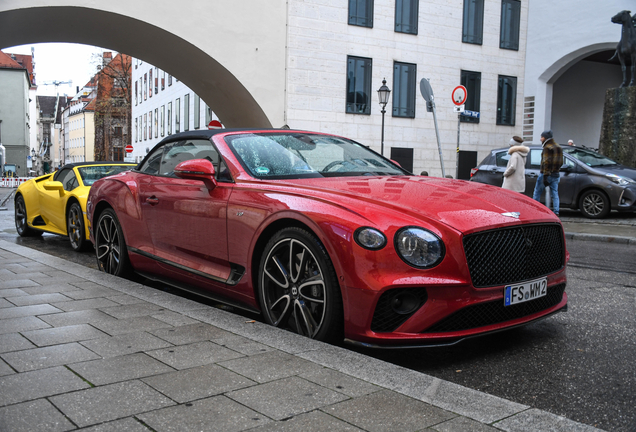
(627, 45)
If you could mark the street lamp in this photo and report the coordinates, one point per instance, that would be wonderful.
(383, 95)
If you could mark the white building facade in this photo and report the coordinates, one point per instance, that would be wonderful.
(162, 106)
(339, 53)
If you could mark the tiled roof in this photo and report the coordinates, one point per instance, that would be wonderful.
(6, 62)
(90, 106)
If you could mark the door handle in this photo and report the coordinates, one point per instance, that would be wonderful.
(153, 200)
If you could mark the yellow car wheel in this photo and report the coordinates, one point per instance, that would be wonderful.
(75, 227)
(21, 224)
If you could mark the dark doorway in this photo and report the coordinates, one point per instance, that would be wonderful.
(403, 156)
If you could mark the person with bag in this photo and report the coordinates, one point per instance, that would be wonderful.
(551, 162)
(515, 174)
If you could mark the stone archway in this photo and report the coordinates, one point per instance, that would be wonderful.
(231, 54)
(544, 102)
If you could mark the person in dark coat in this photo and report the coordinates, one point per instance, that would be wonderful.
(551, 162)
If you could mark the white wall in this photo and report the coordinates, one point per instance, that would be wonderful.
(320, 40)
(578, 99)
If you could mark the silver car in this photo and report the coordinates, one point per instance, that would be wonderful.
(591, 182)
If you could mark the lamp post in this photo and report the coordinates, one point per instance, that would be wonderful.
(383, 95)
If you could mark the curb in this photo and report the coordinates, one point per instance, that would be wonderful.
(601, 238)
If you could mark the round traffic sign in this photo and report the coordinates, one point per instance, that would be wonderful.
(215, 124)
(459, 95)
(129, 148)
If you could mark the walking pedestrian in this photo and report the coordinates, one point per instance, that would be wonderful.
(551, 162)
(515, 174)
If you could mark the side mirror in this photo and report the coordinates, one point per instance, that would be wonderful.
(197, 169)
(54, 186)
(566, 168)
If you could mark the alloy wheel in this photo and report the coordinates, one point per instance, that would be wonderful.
(593, 204)
(293, 287)
(75, 226)
(20, 216)
(108, 245)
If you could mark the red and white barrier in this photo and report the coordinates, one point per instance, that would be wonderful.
(13, 182)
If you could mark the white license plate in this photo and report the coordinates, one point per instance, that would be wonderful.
(514, 294)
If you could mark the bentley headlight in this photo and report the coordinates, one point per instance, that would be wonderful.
(369, 238)
(622, 181)
(419, 247)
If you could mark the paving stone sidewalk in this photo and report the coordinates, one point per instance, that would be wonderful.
(80, 349)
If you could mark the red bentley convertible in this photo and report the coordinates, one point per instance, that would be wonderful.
(329, 239)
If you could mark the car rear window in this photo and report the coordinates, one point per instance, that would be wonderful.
(502, 158)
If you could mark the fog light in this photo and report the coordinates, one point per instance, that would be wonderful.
(405, 304)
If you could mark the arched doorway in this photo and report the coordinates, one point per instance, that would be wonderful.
(578, 97)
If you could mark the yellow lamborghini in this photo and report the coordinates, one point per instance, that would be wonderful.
(56, 203)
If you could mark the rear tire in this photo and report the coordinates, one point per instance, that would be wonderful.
(594, 204)
(297, 286)
(110, 246)
(21, 224)
(75, 228)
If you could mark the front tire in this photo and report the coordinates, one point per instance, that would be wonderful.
(594, 204)
(21, 224)
(75, 227)
(298, 288)
(110, 246)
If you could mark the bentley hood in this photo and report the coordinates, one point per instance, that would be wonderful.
(462, 205)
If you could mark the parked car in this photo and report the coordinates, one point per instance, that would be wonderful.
(56, 202)
(590, 182)
(329, 239)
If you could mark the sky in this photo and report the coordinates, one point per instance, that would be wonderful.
(60, 62)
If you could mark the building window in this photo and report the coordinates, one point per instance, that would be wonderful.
(118, 154)
(136, 93)
(163, 80)
(177, 115)
(404, 85)
(186, 112)
(358, 85)
(156, 80)
(208, 115)
(506, 100)
(145, 127)
(169, 80)
(163, 120)
(145, 86)
(150, 125)
(197, 111)
(141, 126)
(150, 83)
(156, 122)
(472, 82)
(473, 27)
(361, 13)
(406, 16)
(136, 128)
(141, 89)
(169, 118)
(510, 20)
